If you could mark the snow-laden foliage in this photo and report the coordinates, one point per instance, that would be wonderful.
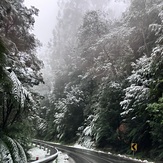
(104, 59)
(19, 67)
(134, 97)
(138, 91)
(11, 151)
(108, 78)
(134, 104)
(107, 112)
(73, 94)
(5, 155)
(15, 28)
(156, 122)
(21, 153)
(16, 150)
(19, 92)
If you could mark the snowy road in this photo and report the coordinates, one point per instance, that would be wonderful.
(86, 156)
(79, 155)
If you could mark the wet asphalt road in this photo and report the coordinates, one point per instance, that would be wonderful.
(87, 156)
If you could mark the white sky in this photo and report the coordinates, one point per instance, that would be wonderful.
(45, 22)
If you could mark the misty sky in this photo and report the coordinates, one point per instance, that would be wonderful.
(45, 22)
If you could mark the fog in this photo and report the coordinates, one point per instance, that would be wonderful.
(45, 22)
(48, 9)
(58, 21)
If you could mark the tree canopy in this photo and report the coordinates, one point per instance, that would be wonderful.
(107, 89)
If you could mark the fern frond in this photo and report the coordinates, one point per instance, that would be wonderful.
(19, 92)
(5, 155)
(21, 153)
(16, 150)
(12, 146)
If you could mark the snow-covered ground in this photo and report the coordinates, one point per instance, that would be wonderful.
(63, 158)
(37, 153)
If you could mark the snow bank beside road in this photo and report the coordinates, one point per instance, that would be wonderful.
(63, 158)
(37, 152)
(119, 155)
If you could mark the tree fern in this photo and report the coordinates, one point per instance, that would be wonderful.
(5, 155)
(17, 46)
(15, 149)
(13, 101)
(19, 92)
(21, 153)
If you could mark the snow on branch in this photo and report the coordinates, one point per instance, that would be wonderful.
(19, 92)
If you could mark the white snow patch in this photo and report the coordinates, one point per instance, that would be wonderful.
(63, 158)
(37, 152)
(139, 160)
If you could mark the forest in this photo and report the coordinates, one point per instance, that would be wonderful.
(105, 85)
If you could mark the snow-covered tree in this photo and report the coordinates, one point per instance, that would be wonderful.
(16, 24)
(135, 102)
(19, 71)
(108, 77)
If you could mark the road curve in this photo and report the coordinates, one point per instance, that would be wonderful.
(87, 156)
